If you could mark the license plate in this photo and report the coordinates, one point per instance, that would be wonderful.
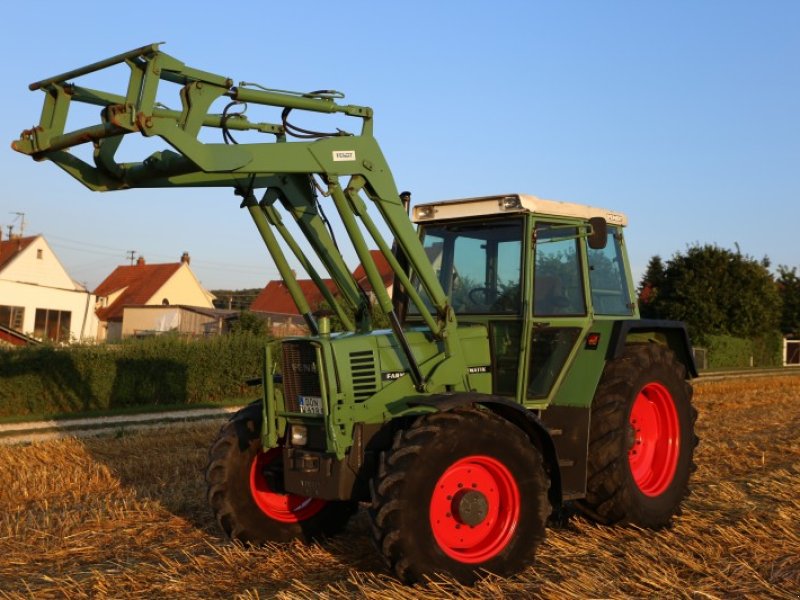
(310, 405)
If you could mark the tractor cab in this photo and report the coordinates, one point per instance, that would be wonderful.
(538, 274)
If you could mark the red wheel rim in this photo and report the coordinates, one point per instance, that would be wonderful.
(493, 488)
(286, 508)
(654, 454)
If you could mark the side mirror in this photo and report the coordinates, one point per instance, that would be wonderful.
(598, 238)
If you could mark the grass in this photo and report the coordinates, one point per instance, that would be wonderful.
(127, 517)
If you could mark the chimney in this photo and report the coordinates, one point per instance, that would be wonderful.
(140, 261)
(185, 258)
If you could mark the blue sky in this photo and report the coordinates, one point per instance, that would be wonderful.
(684, 115)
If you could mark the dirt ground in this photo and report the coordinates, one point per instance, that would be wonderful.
(127, 517)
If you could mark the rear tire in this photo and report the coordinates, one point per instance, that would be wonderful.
(243, 499)
(460, 492)
(642, 439)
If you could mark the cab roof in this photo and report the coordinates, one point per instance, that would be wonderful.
(510, 203)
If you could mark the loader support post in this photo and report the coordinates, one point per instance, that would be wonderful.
(372, 229)
(274, 219)
(295, 194)
(280, 262)
(346, 210)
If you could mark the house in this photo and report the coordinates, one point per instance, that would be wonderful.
(38, 298)
(276, 304)
(143, 321)
(142, 284)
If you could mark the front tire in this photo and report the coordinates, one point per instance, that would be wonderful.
(243, 490)
(642, 439)
(460, 492)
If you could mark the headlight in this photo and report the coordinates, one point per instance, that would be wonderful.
(424, 212)
(299, 435)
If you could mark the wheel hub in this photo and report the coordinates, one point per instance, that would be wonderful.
(471, 507)
(474, 509)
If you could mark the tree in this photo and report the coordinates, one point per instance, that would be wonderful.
(789, 291)
(249, 322)
(716, 292)
(235, 299)
(649, 287)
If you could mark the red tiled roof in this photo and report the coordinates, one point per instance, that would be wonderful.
(10, 248)
(275, 298)
(384, 269)
(141, 281)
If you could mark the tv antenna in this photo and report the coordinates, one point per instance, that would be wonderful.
(21, 218)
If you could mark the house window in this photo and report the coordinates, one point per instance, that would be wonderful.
(39, 253)
(52, 324)
(12, 317)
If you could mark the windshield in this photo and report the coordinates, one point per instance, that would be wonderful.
(478, 264)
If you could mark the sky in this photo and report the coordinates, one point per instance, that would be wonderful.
(684, 115)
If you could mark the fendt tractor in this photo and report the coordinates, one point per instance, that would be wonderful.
(515, 384)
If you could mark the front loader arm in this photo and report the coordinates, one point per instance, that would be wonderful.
(342, 165)
(196, 163)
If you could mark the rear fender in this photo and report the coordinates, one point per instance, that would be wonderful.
(672, 334)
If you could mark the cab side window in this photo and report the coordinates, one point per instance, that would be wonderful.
(609, 286)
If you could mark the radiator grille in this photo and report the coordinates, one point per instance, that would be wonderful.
(300, 373)
(362, 369)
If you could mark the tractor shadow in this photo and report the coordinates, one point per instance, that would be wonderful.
(166, 466)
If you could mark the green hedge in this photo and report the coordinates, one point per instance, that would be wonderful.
(768, 350)
(160, 370)
(727, 352)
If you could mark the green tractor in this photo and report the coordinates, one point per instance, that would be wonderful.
(515, 383)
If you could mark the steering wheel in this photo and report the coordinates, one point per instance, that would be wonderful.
(478, 290)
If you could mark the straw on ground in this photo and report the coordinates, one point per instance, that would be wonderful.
(127, 517)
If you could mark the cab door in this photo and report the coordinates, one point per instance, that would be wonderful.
(559, 307)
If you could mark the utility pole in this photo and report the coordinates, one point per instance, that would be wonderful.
(131, 255)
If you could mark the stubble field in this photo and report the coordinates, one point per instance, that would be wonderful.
(127, 517)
